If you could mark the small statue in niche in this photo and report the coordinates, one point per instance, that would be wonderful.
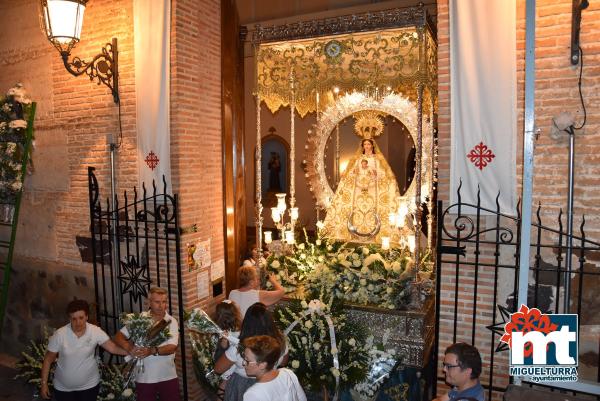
(274, 171)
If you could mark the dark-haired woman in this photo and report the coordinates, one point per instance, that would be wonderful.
(258, 321)
(76, 377)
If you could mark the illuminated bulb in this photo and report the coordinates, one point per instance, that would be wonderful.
(385, 243)
(268, 237)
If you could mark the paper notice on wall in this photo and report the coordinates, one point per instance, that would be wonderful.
(202, 254)
(202, 284)
(217, 270)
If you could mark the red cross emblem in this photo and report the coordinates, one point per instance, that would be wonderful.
(481, 155)
(152, 160)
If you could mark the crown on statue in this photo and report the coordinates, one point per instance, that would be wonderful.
(368, 124)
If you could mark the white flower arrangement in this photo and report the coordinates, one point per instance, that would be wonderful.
(312, 351)
(364, 275)
(15, 108)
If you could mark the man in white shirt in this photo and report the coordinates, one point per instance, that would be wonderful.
(159, 376)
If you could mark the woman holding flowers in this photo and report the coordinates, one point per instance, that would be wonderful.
(249, 294)
(76, 376)
(157, 380)
(258, 321)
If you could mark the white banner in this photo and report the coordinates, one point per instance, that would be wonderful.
(483, 101)
(152, 26)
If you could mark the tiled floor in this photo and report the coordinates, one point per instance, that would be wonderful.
(11, 389)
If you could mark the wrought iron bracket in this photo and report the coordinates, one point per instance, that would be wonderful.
(453, 250)
(103, 67)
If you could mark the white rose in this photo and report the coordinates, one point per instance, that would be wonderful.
(335, 372)
(370, 287)
(304, 304)
(352, 342)
(389, 290)
(303, 340)
(275, 264)
(110, 396)
(365, 250)
(301, 246)
(308, 324)
(355, 256)
(317, 346)
(363, 281)
(295, 364)
(127, 392)
(334, 351)
(318, 242)
(356, 263)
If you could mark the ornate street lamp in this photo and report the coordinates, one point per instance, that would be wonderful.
(63, 21)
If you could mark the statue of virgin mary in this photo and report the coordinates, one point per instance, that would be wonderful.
(367, 192)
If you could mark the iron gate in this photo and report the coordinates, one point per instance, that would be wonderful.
(477, 285)
(135, 245)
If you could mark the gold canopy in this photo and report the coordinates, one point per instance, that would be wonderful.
(376, 63)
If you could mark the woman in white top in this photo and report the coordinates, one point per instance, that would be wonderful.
(258, 321)
(76, 375)
(248, 294)
(272, 384)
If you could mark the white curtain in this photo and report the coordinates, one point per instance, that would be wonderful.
(483, 101)
(152, 26)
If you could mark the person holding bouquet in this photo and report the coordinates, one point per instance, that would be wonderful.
(76, 376)
(157, 377)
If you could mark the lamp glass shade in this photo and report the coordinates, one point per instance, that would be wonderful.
(385, 243)
(289, 237)
(268, 237)
(281, 202)
(275, 215)
(63, 20)
(294, 213)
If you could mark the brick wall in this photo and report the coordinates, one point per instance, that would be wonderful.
(556, 91)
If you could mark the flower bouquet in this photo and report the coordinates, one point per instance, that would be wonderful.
(143, 332)
(204, 336)
(113, 385)
(322, 361)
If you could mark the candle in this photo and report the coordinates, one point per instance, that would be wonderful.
(289, 237)
(392, 217)
(385, 243)
(411, 243)
(268, 237)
